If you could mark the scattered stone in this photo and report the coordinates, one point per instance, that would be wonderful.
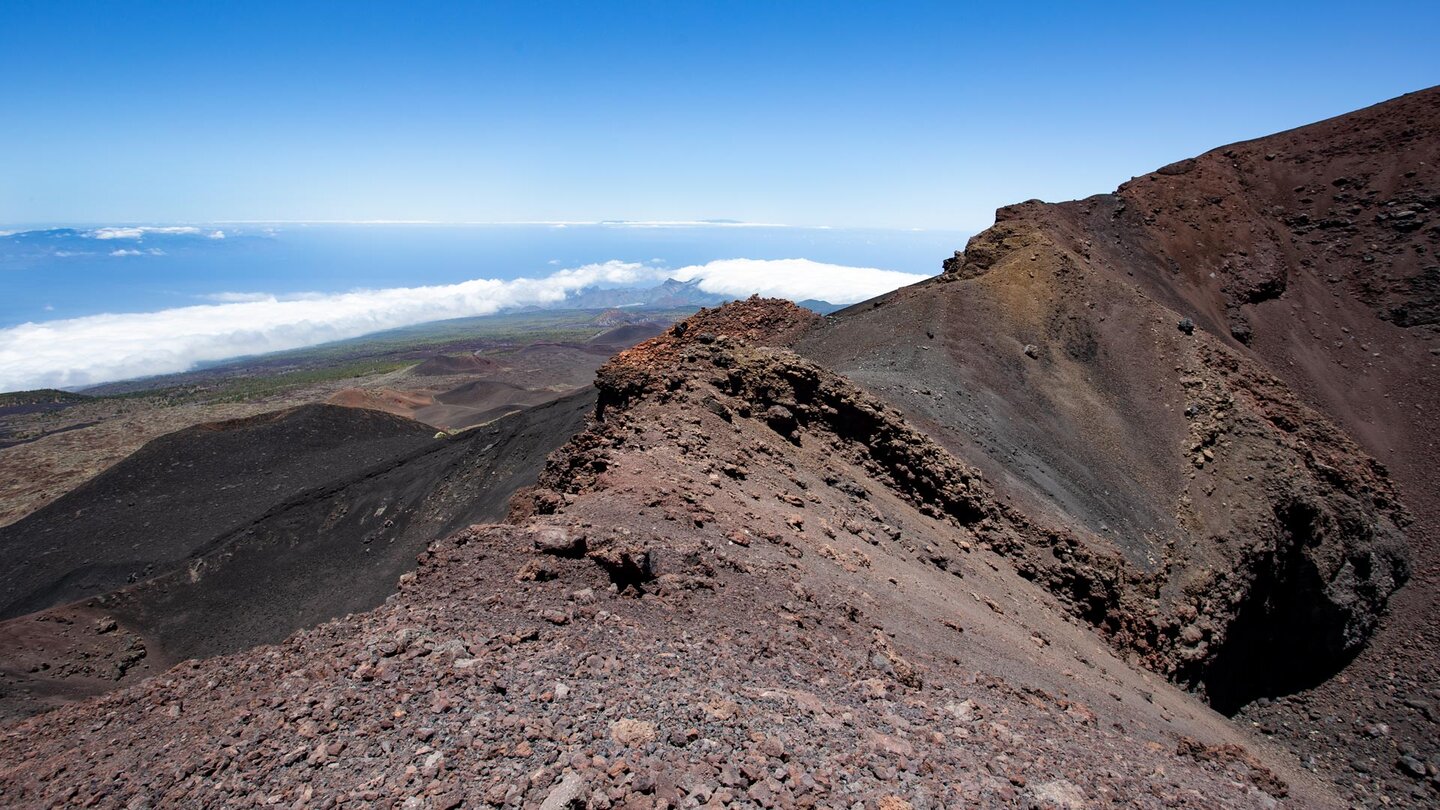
(780, 419)
(632, 732)
(558, 541)
(1412, 766)
(567, 794)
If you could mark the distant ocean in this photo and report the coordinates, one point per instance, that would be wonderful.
(57, 273)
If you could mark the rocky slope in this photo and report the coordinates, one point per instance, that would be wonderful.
(1192, 371)
(1249, 545)
(747, 583)
(168, 499)
(221, 537)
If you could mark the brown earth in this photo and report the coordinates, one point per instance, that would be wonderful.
(482, 401)
(711, 598)
(229, 534)
(628, 334)
(232, 533)
(499, 383)
(171, 497)
(464, 406)
(82, 441)
(389, 400)
(441, 365)
(65, 448)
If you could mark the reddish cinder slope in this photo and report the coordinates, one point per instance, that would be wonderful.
(389, 400)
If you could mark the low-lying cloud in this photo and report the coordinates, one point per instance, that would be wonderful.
(239, 297)
(103, 348)
(140, 231)
(796, 279)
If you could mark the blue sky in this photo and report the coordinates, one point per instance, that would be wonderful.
(873, 114)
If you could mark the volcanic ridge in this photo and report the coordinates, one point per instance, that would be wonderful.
(1129, 506)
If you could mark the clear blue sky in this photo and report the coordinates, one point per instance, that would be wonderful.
(886, 114)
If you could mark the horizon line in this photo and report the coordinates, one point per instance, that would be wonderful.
(20, 228)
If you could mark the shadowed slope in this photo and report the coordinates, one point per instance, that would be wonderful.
(298, 558)
(169, 499)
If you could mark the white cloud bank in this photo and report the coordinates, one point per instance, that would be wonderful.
(102, 348)
(139, 232)
(238, 297)
(796, 279)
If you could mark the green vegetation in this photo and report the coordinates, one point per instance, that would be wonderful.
(40, 396)
(244, 389)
